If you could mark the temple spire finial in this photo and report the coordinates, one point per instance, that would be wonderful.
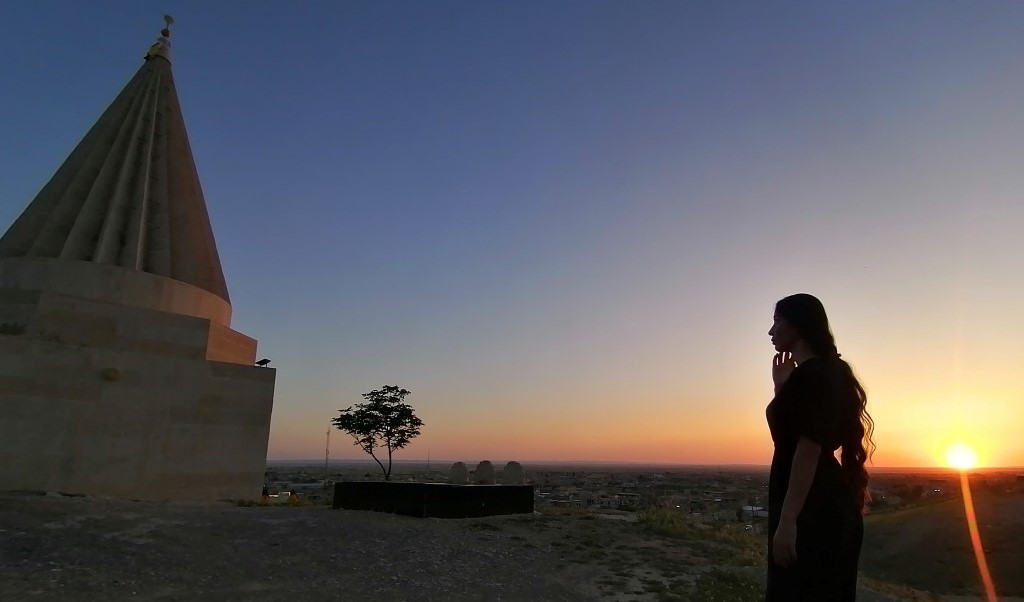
(162, 46)
(129, 194)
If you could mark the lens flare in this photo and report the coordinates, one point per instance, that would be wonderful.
(979, 549)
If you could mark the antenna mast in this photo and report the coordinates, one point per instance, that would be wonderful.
(327, 452)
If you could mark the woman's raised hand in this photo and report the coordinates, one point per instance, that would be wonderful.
(782, 368)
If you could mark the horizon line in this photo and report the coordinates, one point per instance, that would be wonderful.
(316, 462)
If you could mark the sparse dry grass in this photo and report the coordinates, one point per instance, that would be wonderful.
(718, 585)
(729, 541)
(928, 547)
(900, 592)
(252, 503)
(565, 511)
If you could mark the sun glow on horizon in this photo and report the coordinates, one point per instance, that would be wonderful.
(961, 456)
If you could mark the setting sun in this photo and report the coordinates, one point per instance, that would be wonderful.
(961, 456)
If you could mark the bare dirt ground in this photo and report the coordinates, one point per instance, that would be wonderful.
(78, 548)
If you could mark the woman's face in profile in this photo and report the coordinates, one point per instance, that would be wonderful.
(784, 336)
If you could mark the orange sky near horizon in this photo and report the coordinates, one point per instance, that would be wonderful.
(918, 418)
(661, 404)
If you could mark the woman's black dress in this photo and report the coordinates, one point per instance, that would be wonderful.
(830, 527)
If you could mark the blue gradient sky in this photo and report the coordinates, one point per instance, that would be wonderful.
(563, 225)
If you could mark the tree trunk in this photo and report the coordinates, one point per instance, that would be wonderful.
(387, 473)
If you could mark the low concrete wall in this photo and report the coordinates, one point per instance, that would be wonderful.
(439, 500)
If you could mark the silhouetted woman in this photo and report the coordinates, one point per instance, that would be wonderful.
(815, 502)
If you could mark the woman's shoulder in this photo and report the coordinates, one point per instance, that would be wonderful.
(814, 364)
(813, 370)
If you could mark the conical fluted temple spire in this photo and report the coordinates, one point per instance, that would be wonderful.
(128, 195)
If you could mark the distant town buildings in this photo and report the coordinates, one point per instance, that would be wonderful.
(736, 496)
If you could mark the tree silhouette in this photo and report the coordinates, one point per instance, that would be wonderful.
(384, 421)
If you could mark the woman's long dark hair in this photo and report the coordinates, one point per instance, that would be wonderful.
(807, 315)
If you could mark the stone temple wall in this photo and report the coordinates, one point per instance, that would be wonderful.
(109, 399)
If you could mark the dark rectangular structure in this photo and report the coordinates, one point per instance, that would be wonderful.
(439, 500)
